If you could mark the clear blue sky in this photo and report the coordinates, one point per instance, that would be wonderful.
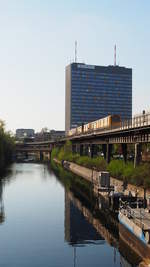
(37, 42)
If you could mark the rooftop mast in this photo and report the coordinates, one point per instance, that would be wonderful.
(75, 51)
(115, 55)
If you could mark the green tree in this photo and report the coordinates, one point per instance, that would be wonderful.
(7, 146)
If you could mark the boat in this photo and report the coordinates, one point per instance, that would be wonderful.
(136, 219)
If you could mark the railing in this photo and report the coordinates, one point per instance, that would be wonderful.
(128, 211)
(136, 122)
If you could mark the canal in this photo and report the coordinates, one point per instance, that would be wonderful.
(44, 224)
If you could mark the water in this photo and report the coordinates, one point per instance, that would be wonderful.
(43, 224)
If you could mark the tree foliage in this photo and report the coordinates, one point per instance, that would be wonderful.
(6, 146)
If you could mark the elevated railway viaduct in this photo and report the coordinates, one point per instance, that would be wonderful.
(126, 134)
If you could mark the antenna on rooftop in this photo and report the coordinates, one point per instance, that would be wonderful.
(115, 55)
(75, 51)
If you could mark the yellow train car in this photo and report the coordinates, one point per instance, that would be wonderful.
(115, 121)
(109, 122)
(72, 132)
(79, 130)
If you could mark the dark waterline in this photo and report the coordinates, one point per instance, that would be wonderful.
(43, 224)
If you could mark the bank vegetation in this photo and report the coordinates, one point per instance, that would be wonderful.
(139, 176)
(7, 146)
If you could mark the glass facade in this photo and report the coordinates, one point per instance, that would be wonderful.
(93, 92)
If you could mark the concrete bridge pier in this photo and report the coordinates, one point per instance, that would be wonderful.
(124, 152)
(46, 156)
(74, 148)
(86, 150)
(41, 156)
(81, 150)
(137, 154)
(91, 150)
(26, 155)
(108, 152)
(104, 150)
(78, 147)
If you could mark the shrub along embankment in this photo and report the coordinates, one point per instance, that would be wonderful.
(65, 153)
(7, 146)
(139, 176)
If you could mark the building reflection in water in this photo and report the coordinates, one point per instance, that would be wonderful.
(82, 228)
(85, 226)
(78, 230)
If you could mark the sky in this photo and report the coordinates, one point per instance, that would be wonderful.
(37, 41)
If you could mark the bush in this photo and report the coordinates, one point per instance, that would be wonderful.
(116, 168)
(128, 171)
(139, 176)
(7, 146)
(64, 153)
(54, 153)
(99, 163)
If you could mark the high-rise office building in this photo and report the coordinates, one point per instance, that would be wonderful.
(93, 92)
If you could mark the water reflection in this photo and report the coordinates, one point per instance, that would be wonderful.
(78, 230)
(2, 214)
(50, 225)
(86, 226)
(83, 213)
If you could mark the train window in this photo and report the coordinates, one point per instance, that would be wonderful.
(116, 118)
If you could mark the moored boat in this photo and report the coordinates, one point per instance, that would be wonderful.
(136, 220)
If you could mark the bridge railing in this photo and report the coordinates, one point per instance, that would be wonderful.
(136, 121)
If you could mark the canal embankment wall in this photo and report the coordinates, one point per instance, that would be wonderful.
(90, 174)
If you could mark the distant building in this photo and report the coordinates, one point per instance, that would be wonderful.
(93, 92)
(49, 135)
(57, 134)
(24, 133)
(42, 136)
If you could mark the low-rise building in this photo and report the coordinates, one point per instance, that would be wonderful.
(49, 135)
(24, 133)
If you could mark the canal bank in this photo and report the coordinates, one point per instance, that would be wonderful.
(92, 174)
(138, 176)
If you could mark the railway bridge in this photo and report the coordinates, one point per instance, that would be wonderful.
(39, 148)
(136, 132)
